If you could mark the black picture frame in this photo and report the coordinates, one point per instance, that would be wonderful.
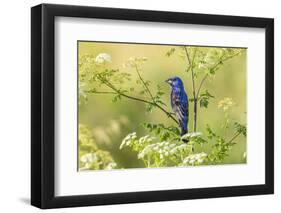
(43, 102)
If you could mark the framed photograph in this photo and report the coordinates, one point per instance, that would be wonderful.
(140, 106)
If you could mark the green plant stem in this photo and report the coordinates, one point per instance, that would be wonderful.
(195, 98)
(201, 83)
(234, 137)
(144, 84)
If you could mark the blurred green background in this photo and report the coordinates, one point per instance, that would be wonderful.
(110, 122)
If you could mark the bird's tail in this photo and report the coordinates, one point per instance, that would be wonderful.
(183, 132)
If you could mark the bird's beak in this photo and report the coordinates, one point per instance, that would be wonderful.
(169, 81)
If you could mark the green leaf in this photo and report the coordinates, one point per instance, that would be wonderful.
(240, 128)
(170, 52)
(204, 102)
(116, 98)
(211, 134)
(204, 99)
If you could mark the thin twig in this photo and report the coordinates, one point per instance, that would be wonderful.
(201, 83)
(144, 84)
(192, 72)
(101, 92)
(111, 86)
(233, 138)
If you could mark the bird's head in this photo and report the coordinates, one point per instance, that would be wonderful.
(175, 82)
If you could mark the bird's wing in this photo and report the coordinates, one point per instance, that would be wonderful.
(180, 105)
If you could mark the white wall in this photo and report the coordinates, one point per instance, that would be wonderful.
(15, 105)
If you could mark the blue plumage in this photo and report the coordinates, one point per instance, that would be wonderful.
(179, 102)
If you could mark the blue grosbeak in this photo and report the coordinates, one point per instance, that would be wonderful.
(179, 102)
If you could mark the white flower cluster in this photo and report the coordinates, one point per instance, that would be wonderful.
(111, 165)
(128, 139)
(156, 153)
(132, 141)
(91, 158)
(103, 58)
(191, 135)
(212, 56)
(163, 149)
(146, 139)
(195, 159)
(226, 103)
(135, 61)
(86, 59)
(88, 159)
(180, 148)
